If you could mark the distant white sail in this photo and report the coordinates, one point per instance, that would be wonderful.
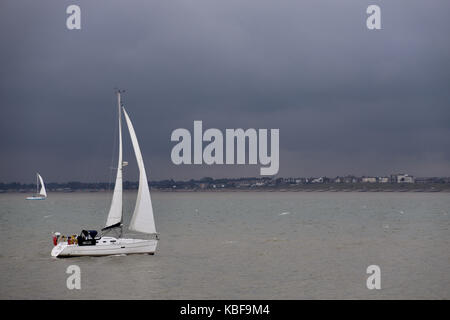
(142, 220)
(42, 192)
(115, 212)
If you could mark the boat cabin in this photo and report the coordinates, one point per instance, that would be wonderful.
(87, 238)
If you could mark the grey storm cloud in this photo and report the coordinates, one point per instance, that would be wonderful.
(347, 100)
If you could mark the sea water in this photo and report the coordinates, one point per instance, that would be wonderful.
(237, 245)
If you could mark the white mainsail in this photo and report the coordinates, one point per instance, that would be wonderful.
(142, 220)
(42, 192)
(115, 212)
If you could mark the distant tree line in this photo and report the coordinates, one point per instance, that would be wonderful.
(205, 183)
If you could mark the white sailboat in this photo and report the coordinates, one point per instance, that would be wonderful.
(89, 244)
(40, 194)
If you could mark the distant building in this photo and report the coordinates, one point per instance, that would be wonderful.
(289, 180)
(317, 180)
(383, 179)
(369, 180)
(302, 180)
(402, 178)
(349, 179)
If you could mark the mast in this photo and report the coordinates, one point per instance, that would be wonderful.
(115, 212)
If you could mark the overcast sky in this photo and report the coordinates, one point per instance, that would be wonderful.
(347, 100)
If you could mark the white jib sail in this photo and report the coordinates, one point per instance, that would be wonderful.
(115, 212)
(42, 192)
(142, 220)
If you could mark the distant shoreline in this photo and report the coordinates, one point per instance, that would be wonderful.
(331, 187)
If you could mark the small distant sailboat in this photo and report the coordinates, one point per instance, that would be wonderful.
(40, 194)
(88, 243)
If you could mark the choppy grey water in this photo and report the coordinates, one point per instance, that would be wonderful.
(270, 245)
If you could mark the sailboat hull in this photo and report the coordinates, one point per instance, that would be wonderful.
(106, 247)
(36, 198)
